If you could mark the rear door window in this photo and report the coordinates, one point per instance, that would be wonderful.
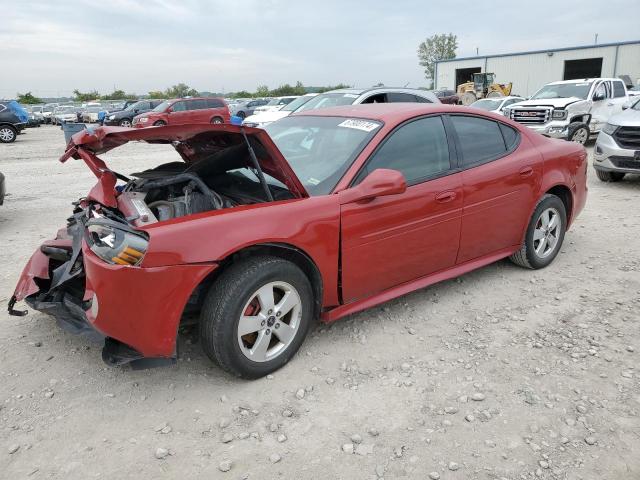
(378, 98)
(480, 139)
(618, 89)
(400, 97)
(214, 103)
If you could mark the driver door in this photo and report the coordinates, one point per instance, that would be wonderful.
(601, 109)
(386, 241)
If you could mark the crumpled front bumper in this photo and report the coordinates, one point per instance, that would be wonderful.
(136, 310)
(553, 129)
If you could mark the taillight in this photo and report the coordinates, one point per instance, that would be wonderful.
(115, 244)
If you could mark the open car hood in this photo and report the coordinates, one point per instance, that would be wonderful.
(194, 143)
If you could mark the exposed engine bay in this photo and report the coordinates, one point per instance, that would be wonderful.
(177, 189)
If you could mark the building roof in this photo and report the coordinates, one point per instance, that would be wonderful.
(531, 52)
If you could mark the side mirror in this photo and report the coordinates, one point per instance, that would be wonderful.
(597, 97)
(626, 105)
(379, 183)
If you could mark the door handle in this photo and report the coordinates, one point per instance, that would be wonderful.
(444, 197)
(526, 171)
(610, 104)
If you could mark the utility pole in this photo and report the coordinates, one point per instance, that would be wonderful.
(595, 42)
(477, 51)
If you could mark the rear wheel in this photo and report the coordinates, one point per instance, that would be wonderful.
(216, 120)
(609, 176)
(241, 114)
(7, 134)
(159, 123)
(256, 315)
(467, 98)
(545, 234)
(125, 122)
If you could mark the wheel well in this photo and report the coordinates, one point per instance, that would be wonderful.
(564, 194)
(586, 118)
(284, 251)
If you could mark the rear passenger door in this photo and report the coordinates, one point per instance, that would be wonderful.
(390, 240)
(501, 180)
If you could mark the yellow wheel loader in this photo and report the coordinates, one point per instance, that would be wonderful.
(483, 86)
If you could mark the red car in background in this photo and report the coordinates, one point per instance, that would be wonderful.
(320, 215)
(183, 111)
(447, 96)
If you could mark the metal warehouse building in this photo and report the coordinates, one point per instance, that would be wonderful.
(531, 70)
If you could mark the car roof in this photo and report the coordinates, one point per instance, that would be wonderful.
(581, 80)
(361, 91)
(382, 111)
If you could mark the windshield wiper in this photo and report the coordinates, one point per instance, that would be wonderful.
(256, 165)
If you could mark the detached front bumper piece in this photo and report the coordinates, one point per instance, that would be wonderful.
(136, 311)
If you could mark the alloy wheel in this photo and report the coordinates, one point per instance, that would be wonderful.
(269, 321)
(580, 136)
(6, 134)
(125, 123)
(547, 232)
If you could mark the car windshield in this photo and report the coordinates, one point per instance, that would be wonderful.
(321, 149)
(132, 106)
(162, 107)
(636, 106)
(272, 102)
(564, 90)
(329, 100)
(487, 104)
(297, 103)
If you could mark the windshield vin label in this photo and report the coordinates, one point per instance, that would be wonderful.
(359, 125)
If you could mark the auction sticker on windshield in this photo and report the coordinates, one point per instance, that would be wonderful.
(359, 125)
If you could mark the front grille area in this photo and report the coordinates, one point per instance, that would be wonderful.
(625, 162)
(628, 137)
(531, 116)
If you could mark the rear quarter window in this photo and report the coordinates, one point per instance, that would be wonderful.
(480, 140)
(618, 89)
(214, 103)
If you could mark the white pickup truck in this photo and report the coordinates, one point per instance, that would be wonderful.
(571, 109)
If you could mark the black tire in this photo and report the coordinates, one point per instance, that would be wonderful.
(8, 134)
(159, 123)
(527, 257)
(217, 120)
(578, 132)
(241, 114)
(609, 176)
(223, 306)
(125, 122)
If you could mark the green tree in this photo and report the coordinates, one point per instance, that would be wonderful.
(180, 90)
(242, 94)
(28, 99)
(119, 95)
(86, 96)
(332, 87)
(437, 47)
(157, 94)
(262, 91)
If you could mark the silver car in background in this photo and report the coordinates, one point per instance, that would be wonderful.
(617, 150)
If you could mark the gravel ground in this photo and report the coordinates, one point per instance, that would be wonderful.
(503, 373)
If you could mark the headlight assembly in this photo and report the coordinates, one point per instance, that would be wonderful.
(559, 114)
(609, 129)
(115, 243)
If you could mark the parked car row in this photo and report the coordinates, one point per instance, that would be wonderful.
(13, 120)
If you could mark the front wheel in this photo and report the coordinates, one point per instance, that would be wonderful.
(256, 315)
(159, 123)
(605, 176)
(125, 122)
(216, 120)
(545, 234)
(7, 134)
(578, 132)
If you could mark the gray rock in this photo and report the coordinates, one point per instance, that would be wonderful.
(355, 438)
(274, 458)
(282, 438)
(287, 413)
(161, 453)
(478, 397)
(300, 394)
(226, 438)
(453, 466)
(347, 448)
(434, 476)
(590, 440)
(373, 432)
(469, 418)
(224, 466)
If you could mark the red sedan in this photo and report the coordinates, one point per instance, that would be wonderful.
(323, 214)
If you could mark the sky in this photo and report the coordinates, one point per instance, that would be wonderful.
(55, 46)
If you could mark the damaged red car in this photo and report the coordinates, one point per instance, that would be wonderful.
(257, 233)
